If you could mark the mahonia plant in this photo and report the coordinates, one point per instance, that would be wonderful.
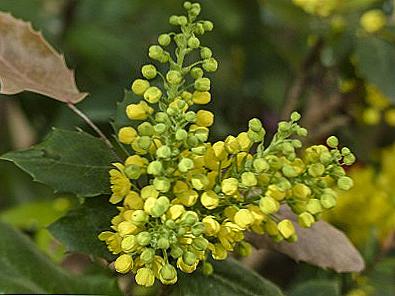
(181, 198)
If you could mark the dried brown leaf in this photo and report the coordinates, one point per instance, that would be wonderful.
(321, 245)
(28, 62)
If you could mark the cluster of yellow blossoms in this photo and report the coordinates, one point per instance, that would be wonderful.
(378, 105)
(182, 198)
(368, 209)
(322, 8)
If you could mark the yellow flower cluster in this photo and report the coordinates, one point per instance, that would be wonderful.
(322, 8)
(182, 198)
(369, 208)
(378, 105)
(373, 21)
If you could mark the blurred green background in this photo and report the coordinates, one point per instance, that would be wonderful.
(272, 54)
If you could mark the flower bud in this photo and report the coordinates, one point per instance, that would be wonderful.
(314, 206)
(316, 170)
(127, 135)
(182, 20)
(204, 118)
(328, 201)
(155, 52)
(244, 249)
(160, 128)
(373, 20)
(345, 183)
(124, 263)
(185, 165)
(174, 77)
(144, 142)
(195, 9)
(149, 71)
(164, 39)
(243, 218)
(286, 228)
(201, 97)
(168, 274)
(181, 135)
(162, 184)
(198, 229)
(332, 142)
(155, 168)
(145, 129)
(349, 159)
(255, 125)
(210, 65)
(139, 86)
(153, 95)
(269, 205)
(189, 258)
(187, 5)
(145, 277)
(207, 268)
(133, 172)
(260, 165)
(202, 84)
(196, 73)
(143, 238)
(147, 256)
(199, 181)
(249, 179)
(209, 200)
(163, 243)
(306, 219)
(176, 252)
(189, 218)
(163, 152)
(230, 186)
(211, 226)
(295, 116)
(139, 217)
(206, 53)
(129, 244)
(208, 26)
(193, 42)
(139, 111)
(161, 117)
(200, 243)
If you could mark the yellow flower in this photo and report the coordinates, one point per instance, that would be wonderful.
(133, 201)
(230, 186)
(124, 263)
(139, 111)
(201, 98)
(204, 118)
(145, 277)
(209, 200)
(120, 184)
(244, 218)
(127, 135)
(373, 20)
(211, 226)
(286, 228)
(218, 252)
(136, 160)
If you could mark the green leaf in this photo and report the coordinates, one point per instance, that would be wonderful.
(78, 230)
(68, 161)
(375, 61)
(120, 118)
(316, 288)
(23, 269)
(229, 278)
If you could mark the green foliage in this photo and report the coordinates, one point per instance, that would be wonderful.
(229, 278)
(375, 61)
(72, 162)
(18, 254)
(78, 230)
(316, 288)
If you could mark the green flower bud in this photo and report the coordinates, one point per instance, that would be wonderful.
(144, 142)
(326, 157)
(332, 142)
(161, 117)
(195, 9)
(255, 125)
(349, 159)
(295, 116)
(181, 134)
(164, 39)
(162, 184)
(210, 65)
(129, 243)
(155, 168)
(147, 256)
(173, 20)
(139, 86)
(201, 134)
(143, 238)
(200, 150)
(289, 171)
(314, 206)
(306, 219)
(160, 128)
(244, 249)
(196, 73)
(287, 148)
(182, 20)
(190, 116)
(256, 137)
(193, 42)
(133, 172)
(200, 181)
(189, 258)
(199, 29)
(284, 126)
(176, 252)
(328, 201)
(187, 5)
(155, 52)
(189, 218)
(345, 183)
(316, 170)
(145, 129)
(163, 243)
(269, 205)
(163, 201)
(207, 268)
(198, 229)
(168, 272)
(149, 71)
(153, 95)
(185, 165)
(260, 165)
(139, 217)
(248, 179)
(302, 132)
(202, 84)
(163, 152)
(192, 141)
(208, 26)
(174, 77)
(200, 243)
(345, 151)
(206, 53)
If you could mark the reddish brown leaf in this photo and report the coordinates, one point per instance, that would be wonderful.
(321, 245)
(28, 62)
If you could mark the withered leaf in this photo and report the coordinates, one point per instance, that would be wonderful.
(29, 62)
(321, 245)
